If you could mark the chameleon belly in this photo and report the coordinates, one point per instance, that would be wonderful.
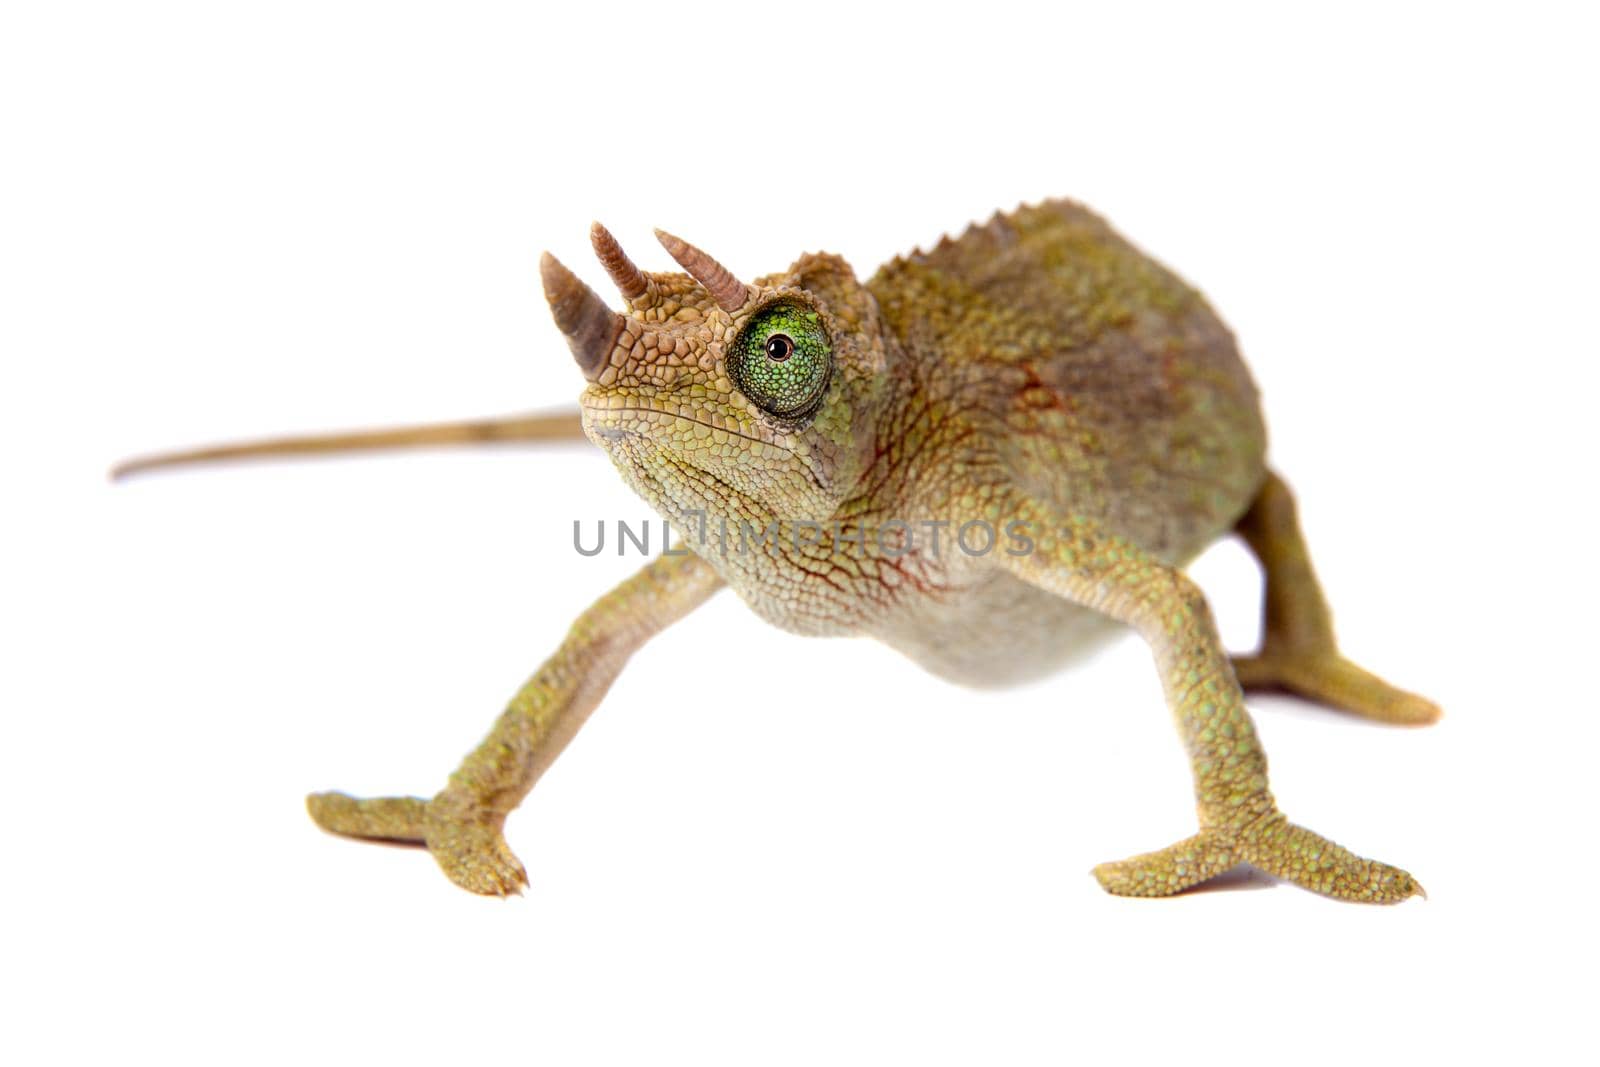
(997, 632)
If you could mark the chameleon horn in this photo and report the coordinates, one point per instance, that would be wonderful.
(729, 292)
(617, 264)
(591, 328)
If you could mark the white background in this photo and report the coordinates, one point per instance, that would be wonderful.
(226, 220)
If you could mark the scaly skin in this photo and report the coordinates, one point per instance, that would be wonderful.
(1037, 375)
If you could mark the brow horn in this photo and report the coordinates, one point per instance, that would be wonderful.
(729, 292)
(590, 326)
(627, 277)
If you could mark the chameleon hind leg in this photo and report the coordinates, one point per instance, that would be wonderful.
(1239, 818)
(1298, 651)
(462, 824)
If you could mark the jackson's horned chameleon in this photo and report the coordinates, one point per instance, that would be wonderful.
(1038, 379)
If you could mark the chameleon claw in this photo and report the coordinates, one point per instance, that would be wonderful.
(471, 849)
(1298, 855)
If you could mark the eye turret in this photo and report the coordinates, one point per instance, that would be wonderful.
(782, 359)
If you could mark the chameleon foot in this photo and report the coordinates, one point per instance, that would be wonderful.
(465, 841)
(1298, 651)
(1272, 844)
(1328, 678)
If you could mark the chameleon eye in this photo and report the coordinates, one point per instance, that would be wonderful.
(782, 359)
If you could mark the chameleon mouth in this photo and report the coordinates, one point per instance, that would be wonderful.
(599, 421)
(597, 418)
(676, 476)
(684, 492)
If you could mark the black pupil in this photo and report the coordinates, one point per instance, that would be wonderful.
(779, 347)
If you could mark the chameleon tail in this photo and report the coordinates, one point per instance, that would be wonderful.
(554, 426)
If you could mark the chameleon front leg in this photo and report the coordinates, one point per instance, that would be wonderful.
(1239, 820)
(1298, 651)
(461, 825)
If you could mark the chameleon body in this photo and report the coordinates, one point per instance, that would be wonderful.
(840, 455)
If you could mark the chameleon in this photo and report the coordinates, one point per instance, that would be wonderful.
(982, 457)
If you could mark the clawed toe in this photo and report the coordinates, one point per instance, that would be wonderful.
(472, 851)
(1307, 859)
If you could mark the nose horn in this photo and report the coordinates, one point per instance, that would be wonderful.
(591, 328)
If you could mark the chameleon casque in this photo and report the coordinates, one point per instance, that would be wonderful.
(1038, 377)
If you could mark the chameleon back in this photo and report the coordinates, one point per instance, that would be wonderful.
(1109, 386)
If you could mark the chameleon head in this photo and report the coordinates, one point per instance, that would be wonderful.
(744, 401)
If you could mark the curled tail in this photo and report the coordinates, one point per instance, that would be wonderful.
(551, 426)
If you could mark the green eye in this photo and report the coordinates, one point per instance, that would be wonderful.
(782, 359)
